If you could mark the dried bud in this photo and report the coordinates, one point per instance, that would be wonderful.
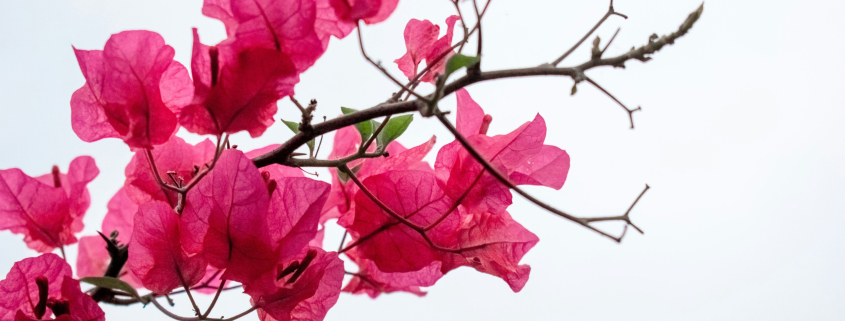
(57, 178)
(214, 56)
(41, 307)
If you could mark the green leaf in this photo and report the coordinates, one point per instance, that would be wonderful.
(459, 61)
(395, 127)
(341, 175)
(111, 283)
(365, 128)
(574, 90)
(345, 178)
(294, 127)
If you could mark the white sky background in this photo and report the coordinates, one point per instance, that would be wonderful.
(741, 139)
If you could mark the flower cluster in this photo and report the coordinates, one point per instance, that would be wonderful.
(203, 217)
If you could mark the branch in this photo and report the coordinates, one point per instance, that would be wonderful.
(609, 13)
(281, 154)
(380, 68)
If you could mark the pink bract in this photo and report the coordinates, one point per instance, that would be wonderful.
(236, 88)
(302, 295)
(242, 221)
(175, 156)
(491, 242)
(46, 214)
(285, 26)
(19, 292)
(520, 155)
(371, 281)
(422, 44)
(156, 255)
(132, 91)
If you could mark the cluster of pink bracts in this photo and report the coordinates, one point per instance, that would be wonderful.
(261, 227)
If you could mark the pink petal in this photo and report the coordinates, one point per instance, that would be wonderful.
(393, 246)
(419, 37)
(226, 219)
(329, 24)
(286, 26)
(156, 255)
(249, 83)
(82, 306)
(371, 281)
(549, 168)
(124, 86)
(82, 170)
(18, 290)
(177, 90)
(470, 115)
(309, 297)
(120, 216)
(295, 208)
(38, 211)
(88, 119)
(440, 52)
(173, 156)
(93, 258)
(495, 244)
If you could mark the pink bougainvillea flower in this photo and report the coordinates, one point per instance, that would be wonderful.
(242, 220)
(491, 242)
(19, 290)
(419, 37)
(346, 142)
(82, 170)
(37, 287)
(157, 257)
(47, 210)
(371, 281)
(441, 51)
(422, 44)
(303, 288)
(286, 26)
(371, 11)
(174, 158)
(132, 91)
(520, 155)
(72, 305)
(236, 89)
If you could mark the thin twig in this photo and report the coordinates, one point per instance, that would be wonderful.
(489, 167)
(168, 313)
(609, 13)
(214, 301)
(379, 67)
(609, 42)
(628, 110)
(375, 133)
